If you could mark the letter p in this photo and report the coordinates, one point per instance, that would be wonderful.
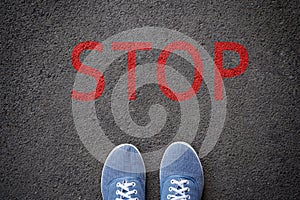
(231, 72)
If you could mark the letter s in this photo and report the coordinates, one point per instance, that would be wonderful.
(98, 76)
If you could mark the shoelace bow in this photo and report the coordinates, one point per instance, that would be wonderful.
(180, 190)
(126, 190)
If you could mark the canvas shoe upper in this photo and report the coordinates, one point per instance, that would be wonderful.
(123, 175)
(181, 174)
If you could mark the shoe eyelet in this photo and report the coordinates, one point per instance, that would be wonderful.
(118, 184)
(170, 189)
(189, 196)
(135, 191)
(188, 189)
(172, 181)
(168, 197)
(187, 182)
(133, 184)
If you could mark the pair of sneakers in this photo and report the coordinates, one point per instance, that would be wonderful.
(124, 174)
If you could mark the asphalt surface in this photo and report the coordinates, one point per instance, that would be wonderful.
(42, 157)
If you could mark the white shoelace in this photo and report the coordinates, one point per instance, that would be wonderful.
(180, 190)
(126, 192)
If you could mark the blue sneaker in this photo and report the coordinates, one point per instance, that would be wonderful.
(181, 174)
(124, 174)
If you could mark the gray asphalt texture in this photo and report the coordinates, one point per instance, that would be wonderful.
(42, 157)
